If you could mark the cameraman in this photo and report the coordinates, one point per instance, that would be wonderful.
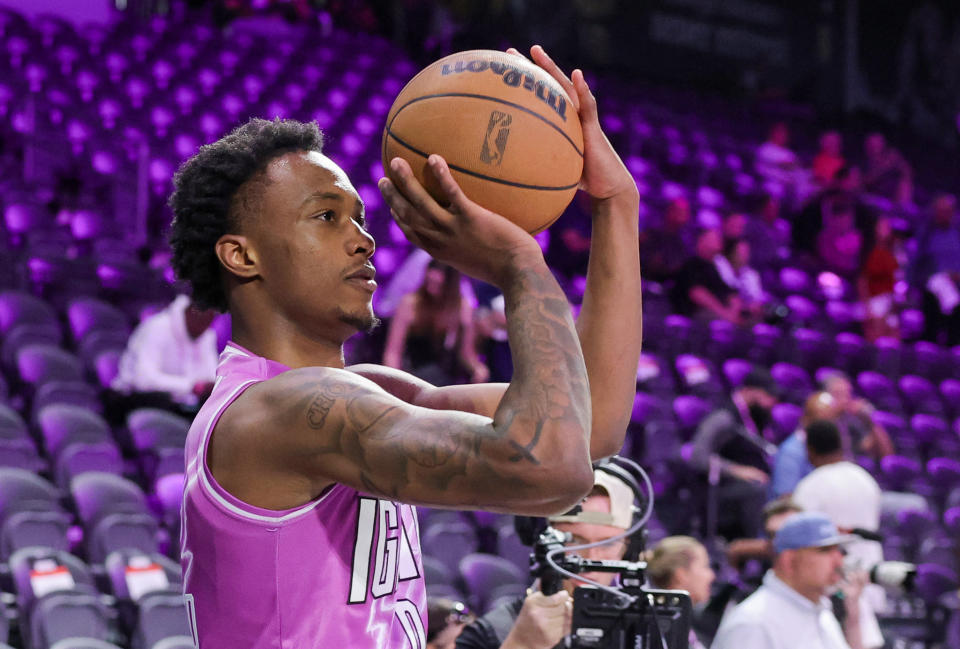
(538, 621)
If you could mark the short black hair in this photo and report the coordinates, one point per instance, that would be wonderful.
(823, 437)
(205, 187)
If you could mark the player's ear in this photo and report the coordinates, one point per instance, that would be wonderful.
(237, 255)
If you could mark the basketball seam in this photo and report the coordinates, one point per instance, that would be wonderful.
(488, 98)
(476, 174)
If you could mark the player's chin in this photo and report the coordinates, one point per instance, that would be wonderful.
(363, 321)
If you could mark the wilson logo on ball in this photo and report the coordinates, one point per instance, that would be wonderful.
(495, 140)
(513, 78)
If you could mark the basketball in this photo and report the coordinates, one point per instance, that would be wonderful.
(506, 128)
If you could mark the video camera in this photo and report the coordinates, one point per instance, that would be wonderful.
(628, 615)
(608, 618)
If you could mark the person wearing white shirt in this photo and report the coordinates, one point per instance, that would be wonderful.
(850, 497)
(172, 352)
(791, 609)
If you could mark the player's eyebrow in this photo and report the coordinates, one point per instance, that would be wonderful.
(331, 196)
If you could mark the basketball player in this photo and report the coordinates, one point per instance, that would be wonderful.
(298, 529)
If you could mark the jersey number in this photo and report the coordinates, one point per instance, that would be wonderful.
(393, 562)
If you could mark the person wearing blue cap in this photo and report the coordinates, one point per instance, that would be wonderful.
(792, 608)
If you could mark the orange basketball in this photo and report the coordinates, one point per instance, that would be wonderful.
(505, 127)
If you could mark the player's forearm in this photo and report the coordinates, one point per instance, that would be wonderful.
(545, 411)
(610, 322)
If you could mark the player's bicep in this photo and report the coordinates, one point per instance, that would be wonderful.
(343, 428)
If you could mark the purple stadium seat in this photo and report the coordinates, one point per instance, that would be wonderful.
(933, 581)
(803, 310)
(76, 393)
(944, 473)
(25, 529)
(482, 573)
(62, 424)
(654, 375)
(17, 448)
(163, 622)
(880, 391)
(78, 458)
(735, 370)
(106, 366)
(915, 524)
(86, 315)
(920, 395)
(448, 542)
(97, 495)
(697, 375)
(40, 363)
(121, 531)
(169, 492)
(23, 563)
(897, 472)
(889, 359)
(793, 381)
(648, 408)
(786, 419)
(17, 308)
(151, 429)
(27, 334)
(811, 349)
(794, 281)
(950, 393)
(929, 429)
(69, 620)
(765, 344)
(930, 360)
(951, 522)
(853, 354)
(690, 411)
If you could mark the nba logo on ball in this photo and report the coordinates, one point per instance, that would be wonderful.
(493, 146)
(466, 107)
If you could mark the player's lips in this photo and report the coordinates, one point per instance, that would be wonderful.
(364, 277)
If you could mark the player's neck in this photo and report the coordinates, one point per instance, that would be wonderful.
(281, 340)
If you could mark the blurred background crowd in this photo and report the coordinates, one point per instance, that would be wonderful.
(799, 243)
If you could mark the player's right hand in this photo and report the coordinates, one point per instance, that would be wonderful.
(463, 234)
(543, 622)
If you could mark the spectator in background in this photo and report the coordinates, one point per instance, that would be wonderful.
(170, 360)
(829, 159)
(791, 463)
(730, 450)
(936, 268)
(886, 172)
(432, 335)
(768, 234)
(857, 509)
(445, 620)
(734, 226)
(699, 290)
(839, 243)
(734, 268)
(878, 275)
(682, 563)
(539, 621)
(665, 249)
(861, 433)
(791, 609)
(780, 166)
(743, 550)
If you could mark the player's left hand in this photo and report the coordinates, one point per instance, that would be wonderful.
(604, 174)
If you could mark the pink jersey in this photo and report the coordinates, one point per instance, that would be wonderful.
(342, 571)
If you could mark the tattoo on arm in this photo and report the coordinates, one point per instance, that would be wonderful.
(391, 449)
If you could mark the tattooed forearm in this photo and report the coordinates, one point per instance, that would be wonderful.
(441, 456)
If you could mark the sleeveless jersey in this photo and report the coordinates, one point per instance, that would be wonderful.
(341, 571)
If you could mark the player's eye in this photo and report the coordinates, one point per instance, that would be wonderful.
(325, 215)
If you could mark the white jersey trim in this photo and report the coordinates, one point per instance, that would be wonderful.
(211, 491)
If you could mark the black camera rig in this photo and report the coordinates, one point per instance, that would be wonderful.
(629, 616)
